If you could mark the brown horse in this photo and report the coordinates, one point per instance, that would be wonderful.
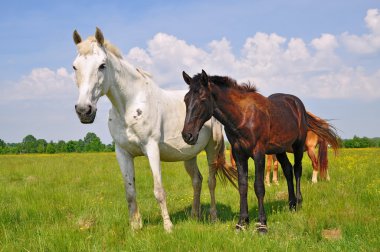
(255, 125)
(319, 162)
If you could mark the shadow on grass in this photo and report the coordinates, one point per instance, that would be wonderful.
(225, 213)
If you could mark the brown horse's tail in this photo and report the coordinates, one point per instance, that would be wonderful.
(223, 170)
(327, 135)
(322, 158)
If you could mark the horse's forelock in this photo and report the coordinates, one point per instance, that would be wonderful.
(85, 47)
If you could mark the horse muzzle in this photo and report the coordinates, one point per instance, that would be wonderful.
(86, 113)
(190, 138)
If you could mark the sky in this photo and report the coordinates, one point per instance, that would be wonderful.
(325, 52)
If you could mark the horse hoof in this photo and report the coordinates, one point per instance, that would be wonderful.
(261, 228)
(136, 224)
(213, 216)
(292, 207)
(240, 228)
(168, 226)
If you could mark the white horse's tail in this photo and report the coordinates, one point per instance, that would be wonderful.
(224, 170)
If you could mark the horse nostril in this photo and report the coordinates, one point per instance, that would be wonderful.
(187, 136)
(89, 108)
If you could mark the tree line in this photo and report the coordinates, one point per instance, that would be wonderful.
(92, 143)
(361, 142)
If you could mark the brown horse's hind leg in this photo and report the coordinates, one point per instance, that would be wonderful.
(298, 154)
(275, 170)
(288, 172)
(259, 159)
(314, 163)
(269, 166)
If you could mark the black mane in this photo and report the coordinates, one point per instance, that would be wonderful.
(227, 82)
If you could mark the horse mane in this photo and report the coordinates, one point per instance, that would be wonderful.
(227, 82)
(85, 47)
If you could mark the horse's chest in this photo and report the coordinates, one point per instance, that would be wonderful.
(129, 137)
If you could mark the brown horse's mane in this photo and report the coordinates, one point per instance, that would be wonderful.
(227, 82)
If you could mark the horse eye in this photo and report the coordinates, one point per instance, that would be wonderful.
(74, 68)
(102, 66)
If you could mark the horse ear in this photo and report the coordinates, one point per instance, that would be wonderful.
(99, 36)
(186, 77)
(204, 78)
(76, 37)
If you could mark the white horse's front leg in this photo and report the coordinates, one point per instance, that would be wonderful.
(153, 154)
(128, 171)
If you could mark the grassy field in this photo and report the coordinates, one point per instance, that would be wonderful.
(76, 202)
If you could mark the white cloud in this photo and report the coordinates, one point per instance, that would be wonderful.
(41, 83)
(367, 43)
(275, 65)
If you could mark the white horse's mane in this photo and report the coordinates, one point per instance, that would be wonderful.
(85, 47)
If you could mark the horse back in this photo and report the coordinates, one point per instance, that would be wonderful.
(288, 123)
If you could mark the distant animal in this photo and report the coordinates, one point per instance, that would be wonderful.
(255, 125)
(144, 120)
(327, 136)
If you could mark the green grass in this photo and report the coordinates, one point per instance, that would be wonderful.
(76, 202)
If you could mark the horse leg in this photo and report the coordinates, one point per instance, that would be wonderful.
(314, 162)
(196, 178)
(153, 154)
(242, 167)
(269, 166)
(125, 161)
(215, 157)
(298, 154)
(259, 158)
(275, 171)
(288, 172)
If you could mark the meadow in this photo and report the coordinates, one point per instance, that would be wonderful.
(76, 202)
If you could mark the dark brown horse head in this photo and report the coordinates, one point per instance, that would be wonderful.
(199, 106)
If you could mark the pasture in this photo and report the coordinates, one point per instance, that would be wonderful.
(76, 202)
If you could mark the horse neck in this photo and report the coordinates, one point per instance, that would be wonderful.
(127, 84)
(225, 109)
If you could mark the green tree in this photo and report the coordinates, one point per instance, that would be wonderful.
(61, 147)
(3, 146)
(80, 146)
(41, 145)
(71, 146)
(92, 143)
(50, 148)
(29, 144)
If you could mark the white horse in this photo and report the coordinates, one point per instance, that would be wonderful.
(144, 120)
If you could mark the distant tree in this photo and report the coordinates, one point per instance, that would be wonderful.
(61, 147)
(110, 147)
(92, 143)
(41, 145)
(29, 144)
(80, 146)
(71, 146)
(50, 148)
(3, 146)
(2, 143)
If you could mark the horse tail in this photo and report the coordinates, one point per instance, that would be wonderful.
(327, 135)
(224, 170)
(322, 158)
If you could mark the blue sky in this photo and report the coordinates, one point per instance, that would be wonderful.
(325, 52)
